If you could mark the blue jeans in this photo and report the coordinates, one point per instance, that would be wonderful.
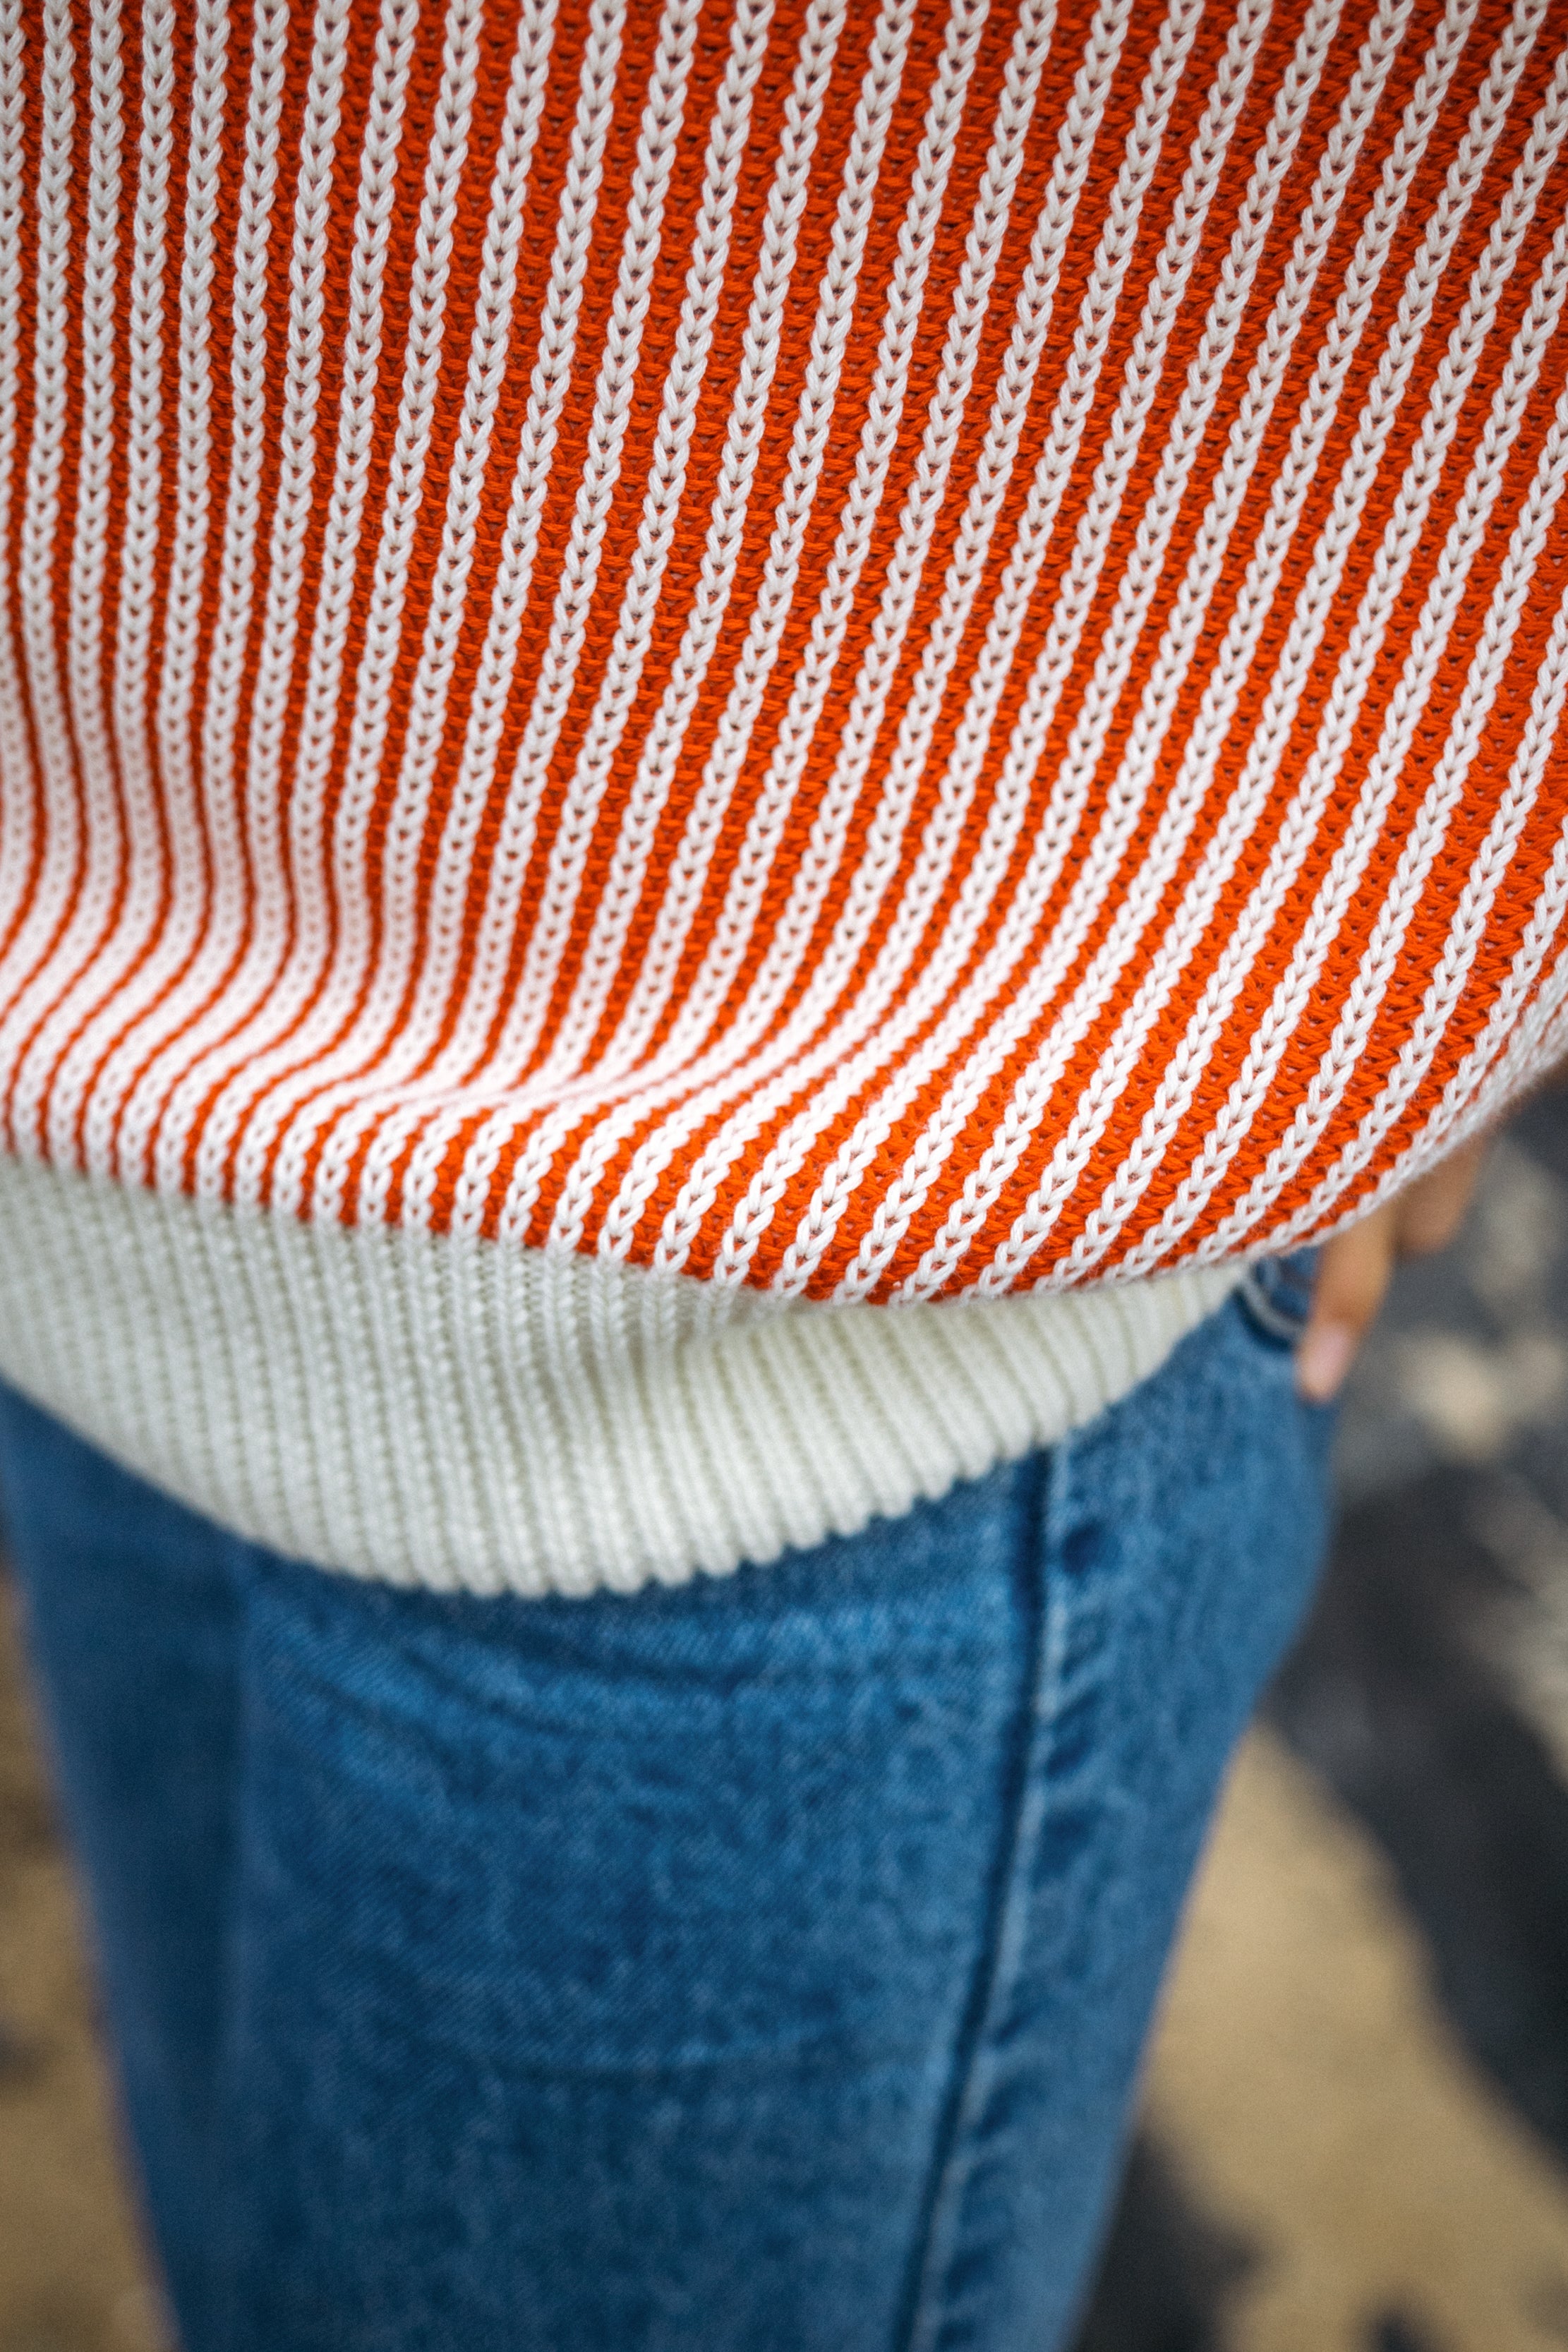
(760, 1966)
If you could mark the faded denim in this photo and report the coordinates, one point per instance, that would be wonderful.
(757, 1966)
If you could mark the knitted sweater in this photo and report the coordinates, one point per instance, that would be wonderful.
(734, 733)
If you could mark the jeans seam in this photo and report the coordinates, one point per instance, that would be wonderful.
(1000, 1958)
(1277, 1305)
(222, 2303)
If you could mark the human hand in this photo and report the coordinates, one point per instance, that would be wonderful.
(1356, 1266)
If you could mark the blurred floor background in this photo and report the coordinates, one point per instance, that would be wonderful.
(1354, 2133)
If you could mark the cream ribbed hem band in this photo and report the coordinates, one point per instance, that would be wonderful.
(458, 1414)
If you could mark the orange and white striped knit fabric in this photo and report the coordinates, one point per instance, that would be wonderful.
(863, 649)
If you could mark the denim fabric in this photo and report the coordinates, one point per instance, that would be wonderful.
(760, 1964)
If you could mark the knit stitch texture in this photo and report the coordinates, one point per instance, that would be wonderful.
(859, 650)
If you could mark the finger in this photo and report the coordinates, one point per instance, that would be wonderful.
(1353, 1272)
(1430, 1211)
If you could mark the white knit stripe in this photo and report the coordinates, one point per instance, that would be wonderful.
(89, 566)
(619, 897)
(716, 579)
(227, 1038)
(1249, 799)
(1538, 1046)
(847, 1072)
(1553, 1050)
(878, 439)
(363, 759)
(878, 665)
(1512, 1047)
(308, 964)
(686, 876)
(648, 1163)
(879, 93)
(924, 502)
(661, 509)
(1179, 814)
(808, 449)
(1517, 1058)
(664, 495)
(297, 968)
(1206, 569)
(1467, 932)
(194, 447)
(1048, 487)
(1028, 1104)
(264, 894)
(569, 848)
(163, 937)
(488, 351)
(747, 413)
(1424, 840)
(358, 407)
(151, 937)
(1137, 904)
(1195, 912)
(1482, 488)
(1076, 597)
(660, 131)
(984, 1184)
(1222, 327)
(132, 1086)
(142, 491)
(422, 363)
(1010, 409)
(835, 809)
(1304, 814)
(187, 936)
(60, 848)
(270, 895)
(471, 794)
(18, 784)
(900, 320)
(571, 1388)
(809, 689)
(317, 1078)
(721, 554)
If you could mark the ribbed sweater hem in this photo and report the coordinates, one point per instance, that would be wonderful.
(462, 1415)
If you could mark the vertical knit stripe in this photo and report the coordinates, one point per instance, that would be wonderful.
(853, 650)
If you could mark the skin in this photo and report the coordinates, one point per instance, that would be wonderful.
(1357, 1266)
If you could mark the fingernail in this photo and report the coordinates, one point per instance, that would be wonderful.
(1323, 1360)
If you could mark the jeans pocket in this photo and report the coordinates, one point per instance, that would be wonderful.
(1275, 1297)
